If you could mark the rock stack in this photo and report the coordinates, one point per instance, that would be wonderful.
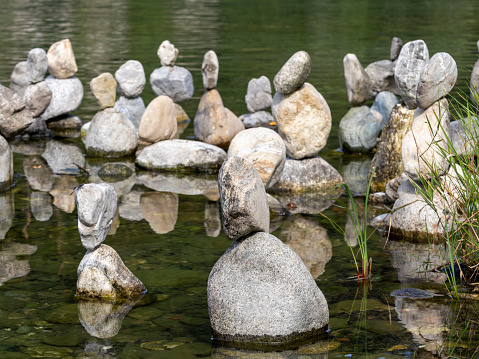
(101, 273)
(14, 117)
(258, 99)
(214, 123)
(259, 290)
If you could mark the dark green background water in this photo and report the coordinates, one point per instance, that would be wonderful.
(38, 311)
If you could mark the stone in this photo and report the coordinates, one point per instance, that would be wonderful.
(175, 82)
(260, 290)
(392, 186)
(358, 83)
(213, 123)
(68, 122)
(7, 213)
(181, 156)
(304, 121)
(37, 130)
(396, 46)
(129, 207)
(20, 78)
(14, 260)
(61, 60)
(132, 108)
(308, 175)
(63, 158)
(437, 79)
(358, 130)
(421, 146)
(130, 78)
(474, 83)
(67, 95)
(276, 209)
(14, 117)
(383, 105)
(103, 88)
(96, 204)
(209, 70)
(264, 149)
(168, 53)
(186, 184)
(258, 96)
(61, 192)
(37, 64)
(259, 119)
(37, 98)
(463, 132)
(39, 175)
(111, 134)
(293, 74)
(102, 274)
(6, 164)
(160, 209)
(410, 64)
(159, 120)
(244, 205)
(381, 77)
(212, 219)
(355, 174)
(41, 206)
(387, 161)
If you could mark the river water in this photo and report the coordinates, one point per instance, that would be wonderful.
(167, 229)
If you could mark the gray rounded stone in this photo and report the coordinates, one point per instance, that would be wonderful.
(381, 77)
(168, 53)
(293, 74)
(37, 98)
(175, 82)
(358, 84)
(67, 95)
(14, 117)
(20, 78)
(396, 46)
(258, 96)
(260, 290)
(209, 70)
(259, 119)
(132, 108)
(358, 130)
(383, 105)
(37, 63)
(6, 164)
(130, 78)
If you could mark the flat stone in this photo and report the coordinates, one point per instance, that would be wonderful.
(61, 157)
(20, 78)
(37, 98)
(381, 76)
(209, 70)
(37, 64)
(168, 53)
(14, 117)
(132, 108)
(6, 164)
(264, 149)
(103, 88)
(396, 46)
(159, 120)
(358, 83)
(293, 74)
(175, 82)
(67, 95)
(130, 78)
(258, 96)
(383, 105)
(358, 130)
(244, 205)
(160, 209)
(259, 119)
(61, 60)
(68, 122)
(304, 121)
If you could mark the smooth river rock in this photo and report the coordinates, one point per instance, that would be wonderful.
(258, 96)
(14, 117)
(159, 120)
(358, 130)
(168, 53)
(103, 88)
(209, 70)
(20, 78)
(382, 107)
(67, 95)
(130, 78)
(259, 119)
(37, 64)
(61, 60)
(396, 46)
(293, 74)
(381, 77)
(358, 83)
(37, 98)
(132, 108)
(175, 82)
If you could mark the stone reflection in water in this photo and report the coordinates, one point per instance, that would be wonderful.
(119, 174)
(307, 203)
(10, 264)
(310, 241)
(41, 206)
(28, 148)
(62, 157)
(355, 174)
(61, 192)
(425, 320)
(7, 212)
(39, 174)
(99, 349)
(351, 237)
(160, 209)
(413, 261)
(212, 219)
(129, 207)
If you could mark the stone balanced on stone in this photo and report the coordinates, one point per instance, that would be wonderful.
(259, 290)
(101, 273)
(258, 99)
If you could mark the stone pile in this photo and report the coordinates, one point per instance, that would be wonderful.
(258, 99)
(214, 123)
(259, 290)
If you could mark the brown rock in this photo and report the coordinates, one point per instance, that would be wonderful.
(160, 209)
(103, 88)
(61, 60)
(159, 120)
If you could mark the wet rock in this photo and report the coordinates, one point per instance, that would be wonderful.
(181, 156)
(276, 208)
(393, 185)
(304, 121)
(387, 161)
(120, 175)
(258, 96)
(358, 83)
(264, 149)
(129, 207)
(63, 158)
(396, 46)
(114, 172)
(37, 64)
(244, 205)
(14, 117)
(358, 130)
(209, 70)
(382, 107)
(437, 79)
(355, 174)
(130, 78)
(41, 206)
(13, 263)
(37, 97)
(67, 95)
(103, 88)
(160, 209)
(175, 82)
(411, 62)
(37, 130)
(7, 213)
(474, 83)
(259, 119)
(61, 192)
(61, 60)
(20, 78)
(279, 300)
(293, 74)
(111, 134)
(381, 77)
(159, 120)
(212, 219)
(412, 293)
(168, 53)
(6, 164)
(39, 174)
(132, 108)
(420, 146)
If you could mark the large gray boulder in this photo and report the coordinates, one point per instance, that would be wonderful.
(6, 164)
(175, 82)
(209, 70)
(181, 156)
(67, 95)
(61, 60)
(63, 158)
(304, 121)
(260, 290)
(382, 107)
(20, 78)
(258, 96)
(37, 64)
(244, 206)
(37, 98)
(358, 130)
(14, 117)
(132, 108)
(293, 74)
(410, 64)
(130, 78)
(358, 83)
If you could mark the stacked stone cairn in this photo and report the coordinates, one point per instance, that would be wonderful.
(214, 123)
(101, 273)
(258, 99)
(304, 122)
(259, 290)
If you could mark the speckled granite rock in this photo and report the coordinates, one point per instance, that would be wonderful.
(103, 88)
(61, 60)
(37, 64)
(37, 98)
(14, 117)
(293, 74)
(130, 78)
(6, 164)
(67, 95)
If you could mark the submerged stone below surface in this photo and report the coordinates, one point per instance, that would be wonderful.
(261, 291)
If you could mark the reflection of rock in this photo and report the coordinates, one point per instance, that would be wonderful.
(39, 175)
(61, 157)
(102, 319)
(119, 174)
(10, 265)
(350, 231)
(197, 184)
(308, 203)
(413, 261)
(41, 205)
(355, 174)
(160, 209)
(97, 350)
(7, 212)
(310, 241)
(30, 148)
(212, 219)
(129, 207)
(61, 192)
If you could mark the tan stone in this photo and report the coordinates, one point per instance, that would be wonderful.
(159, 120)
(61, 60)
(160, 209)
(103, 88)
